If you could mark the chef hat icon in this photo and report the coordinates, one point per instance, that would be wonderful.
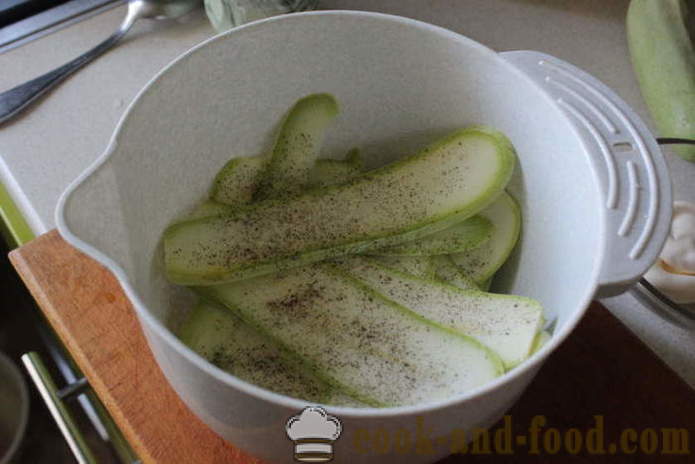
(313, 432)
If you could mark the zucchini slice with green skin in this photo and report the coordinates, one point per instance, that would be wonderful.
(237, 181)
(461, 237)
(208, 208)
(663, 58)
(481, 263)
(419, 266)
(297, 146)
(371, 348)
(226, 341)
(448, 272)
(331, 172)
(442, 185)
(486, 284)
(354, 158)
(507, 324)
(541, 339)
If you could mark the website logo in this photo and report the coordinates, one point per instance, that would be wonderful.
(313, 432)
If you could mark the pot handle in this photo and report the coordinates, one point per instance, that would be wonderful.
(627, 162)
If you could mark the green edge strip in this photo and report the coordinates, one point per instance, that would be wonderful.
(14, 227)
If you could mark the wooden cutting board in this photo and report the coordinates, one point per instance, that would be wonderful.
(602, 369)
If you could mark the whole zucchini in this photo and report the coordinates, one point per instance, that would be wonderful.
(664, 60)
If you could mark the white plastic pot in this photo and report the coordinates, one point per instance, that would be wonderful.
(591, 181)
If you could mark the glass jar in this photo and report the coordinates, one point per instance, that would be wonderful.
(226, 14)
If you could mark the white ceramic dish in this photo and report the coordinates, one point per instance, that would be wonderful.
(682, 175)
(591, 181)
(14, 409)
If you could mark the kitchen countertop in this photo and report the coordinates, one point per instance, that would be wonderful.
(46, 148)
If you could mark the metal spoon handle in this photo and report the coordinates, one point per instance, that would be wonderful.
(13, 101)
